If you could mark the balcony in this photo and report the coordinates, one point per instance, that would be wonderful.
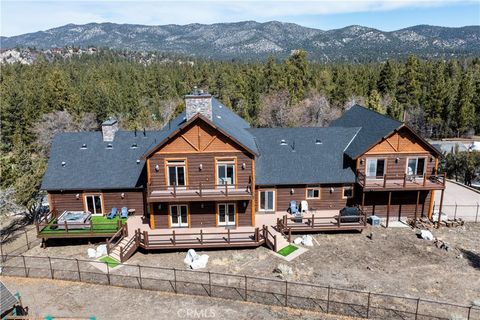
(399, 183)
(199, 192)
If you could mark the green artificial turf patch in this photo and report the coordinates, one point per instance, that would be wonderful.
(287, 250)
(112, 263)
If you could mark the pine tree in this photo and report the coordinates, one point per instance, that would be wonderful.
(374, 101)
(387, 82)
(465, 107)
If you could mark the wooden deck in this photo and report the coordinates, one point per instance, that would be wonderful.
(199, 192)
(402, 183)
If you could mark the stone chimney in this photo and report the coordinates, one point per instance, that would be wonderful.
(109, 127)
(198, 102)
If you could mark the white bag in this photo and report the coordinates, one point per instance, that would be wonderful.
(191, 254)
(199, 262)
(307, 241)
(92, 253)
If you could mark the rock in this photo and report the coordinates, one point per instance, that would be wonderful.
(283, 269)
(460, 256)
(297, 240)
(425, 235)
(476, 303)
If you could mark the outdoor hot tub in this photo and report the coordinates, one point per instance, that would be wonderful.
(74, 219)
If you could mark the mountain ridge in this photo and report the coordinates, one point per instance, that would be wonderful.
(255, 40)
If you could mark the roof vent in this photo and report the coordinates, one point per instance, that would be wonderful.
(64, 163)
(109, 146)
(134, 145)
(84, 146)
(138, 161)
(219, 117)
(283, 142)
(318, 141)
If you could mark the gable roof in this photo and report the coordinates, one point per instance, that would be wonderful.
(97, 166)
(224, 119)
(374, 127)
(301, 160)
(7, 299)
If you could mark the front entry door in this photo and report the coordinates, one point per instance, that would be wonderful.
(179, 215)
(226, 214)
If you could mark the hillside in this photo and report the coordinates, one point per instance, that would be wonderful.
(253, 40)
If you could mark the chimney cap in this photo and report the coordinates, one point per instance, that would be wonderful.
(109, 122)
(196, 93)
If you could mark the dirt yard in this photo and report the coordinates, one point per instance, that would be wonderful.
(72, 299)
(393, 261)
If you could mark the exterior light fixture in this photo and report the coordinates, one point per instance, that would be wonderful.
(362, 161)
(332, 190)
(157, 168)
(159, 206)
(77, 196)
(292, 191)
(244, 166)
(397, 159)
(200, 167)
(64, 163)
(244, 204)
(122, 195)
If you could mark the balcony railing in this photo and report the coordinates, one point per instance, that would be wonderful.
(390, 181)
(200, 191)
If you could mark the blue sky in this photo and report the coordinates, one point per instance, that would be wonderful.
(18, 17)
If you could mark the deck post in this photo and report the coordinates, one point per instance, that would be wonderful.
(246, 292)
(404, 180)
(140, 276)
(256, 234)
(384, 180)
(51, 269)
(173, 237)
(145, 237)
(313, 221)
(78, 270)
(289, 234)
(285, 221)
(66, 226)
(37, 227)
(200, 188)
(388, 206)
(275, 243)
(416, 208)
(363, 200)
(440, 209)
(91, 226)
(226, 190)
(174, 189)
(228, 233)
(201, 236)
(424, 179)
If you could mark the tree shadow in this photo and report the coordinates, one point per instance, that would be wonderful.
(10, 231)
(472, 257)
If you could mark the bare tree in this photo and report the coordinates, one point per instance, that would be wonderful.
(60, 121)
(316, 110)
(276, 111)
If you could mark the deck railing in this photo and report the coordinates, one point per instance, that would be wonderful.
(86, 229)
(117, 237)
(200, 190)
(404, 181)
(287, 224)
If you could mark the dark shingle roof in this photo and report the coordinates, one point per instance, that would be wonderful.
(97, 166)
(310, 162)
(374, 126)
(7, 299)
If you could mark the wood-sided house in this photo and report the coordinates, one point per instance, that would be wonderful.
(208, 169)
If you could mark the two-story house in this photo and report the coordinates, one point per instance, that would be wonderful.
(207, 171)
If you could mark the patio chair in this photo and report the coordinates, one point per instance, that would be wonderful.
(124, 213)
(112, 213)
(293, 209)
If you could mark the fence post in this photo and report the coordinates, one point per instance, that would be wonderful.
(416, 309)
(246, 290)
(286, 293)
(108, 273)
(328, 299)
(25, 266)
(469, 311)
(368, 305)
(1, 251)
(209, 283)
(51, 269)
(140, 276)
(476, 215)
(175, 279)
(26, 237)
(78, 270)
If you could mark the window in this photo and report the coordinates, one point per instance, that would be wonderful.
(176, 173)
(313, 193)
(375, 168)
(94, 203)
(347, 192)
(415, 166)
(225, 172)
(267, 201)
(226, 214)
(179, 215)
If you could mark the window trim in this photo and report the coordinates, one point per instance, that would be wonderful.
(343, 191)
(313, 188)
(260, 200)
(235, 214)
(167, 173)
(384, 168)
(170, 222)
(416, 166)
(102, 206)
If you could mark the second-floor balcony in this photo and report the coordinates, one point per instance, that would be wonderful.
(402, 182)
(199, 192)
